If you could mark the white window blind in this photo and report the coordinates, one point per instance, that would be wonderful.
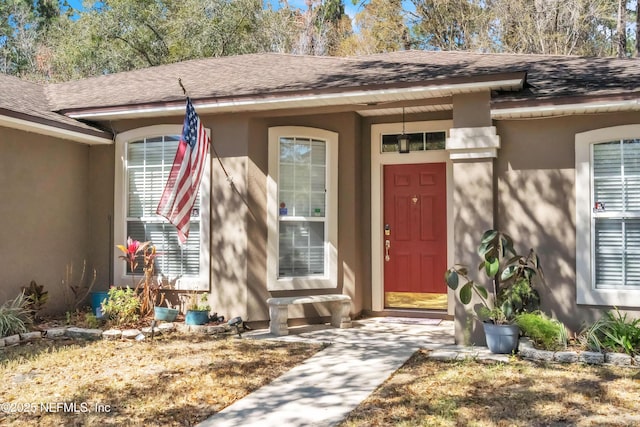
(149, 162)
(616, 214)
(302, 207)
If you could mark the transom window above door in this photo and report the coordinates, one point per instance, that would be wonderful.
(418, 141)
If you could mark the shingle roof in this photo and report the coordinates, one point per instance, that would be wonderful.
(548, 77)
(26, 100)
(261, 74)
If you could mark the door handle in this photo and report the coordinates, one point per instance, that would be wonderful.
(387, 245)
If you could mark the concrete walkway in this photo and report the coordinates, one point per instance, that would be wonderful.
(325, 388)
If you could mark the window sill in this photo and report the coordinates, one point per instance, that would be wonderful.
(301, 283)
(608, 297)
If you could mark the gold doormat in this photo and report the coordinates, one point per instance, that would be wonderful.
(415, 300)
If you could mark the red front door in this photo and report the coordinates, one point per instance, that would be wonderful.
(415, 235)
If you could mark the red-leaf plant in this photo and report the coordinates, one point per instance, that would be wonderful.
(147, 288)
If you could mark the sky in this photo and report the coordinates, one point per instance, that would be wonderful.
(349, 7)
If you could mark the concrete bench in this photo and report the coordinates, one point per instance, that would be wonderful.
(340, 306)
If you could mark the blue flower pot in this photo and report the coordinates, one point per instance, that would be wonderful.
(97, 298)
(196, 317)
(165, 313)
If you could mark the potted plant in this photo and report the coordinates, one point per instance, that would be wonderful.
(149, 287)
(167, 314)
(510, 292)
(197, 310)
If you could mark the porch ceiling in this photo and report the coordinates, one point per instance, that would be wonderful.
(408, 110)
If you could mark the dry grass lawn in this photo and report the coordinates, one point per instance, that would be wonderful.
(176, 381)
(182, 380)
(469, 393)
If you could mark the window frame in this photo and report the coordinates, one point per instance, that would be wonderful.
(200, 282)
(329, 279)
(586, 291)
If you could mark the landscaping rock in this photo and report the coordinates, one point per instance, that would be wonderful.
(31, 336)
(148, 331)
(167, 327)
(130, 334)
(525, 343)
(535, 354)
(217, 329)
(566, 357)
(12, 340)
(55, 333)
(198, 329)
(618, 359)
(591, 357)
(89, 334)
(112, 334)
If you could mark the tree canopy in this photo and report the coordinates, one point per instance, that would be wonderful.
(49, 40)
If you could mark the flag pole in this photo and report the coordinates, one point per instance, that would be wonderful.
(182, 86)
(229, 178)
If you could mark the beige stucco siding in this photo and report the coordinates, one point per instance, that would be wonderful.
(535, 172)
(350, 213)
(45, 188)
(239, 234)
(100, 201)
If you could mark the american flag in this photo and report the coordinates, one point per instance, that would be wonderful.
(180, 192)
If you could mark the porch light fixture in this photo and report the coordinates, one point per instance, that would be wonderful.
(403, 140)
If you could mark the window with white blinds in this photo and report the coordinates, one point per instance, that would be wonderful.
(302, 200)
(149, 162)
(143, 164)
(302, 195)
(616, 214)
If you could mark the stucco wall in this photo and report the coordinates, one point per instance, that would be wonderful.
(535, 178)
(44, 226)
(350, 211)
(100, 199)
(239, 234)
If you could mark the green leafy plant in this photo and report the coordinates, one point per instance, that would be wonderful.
(122, 307)
(35, 298)
(614, 332)
(546, 333)
(511, 290)
(14, 316)
(92, 321)
(198, 302)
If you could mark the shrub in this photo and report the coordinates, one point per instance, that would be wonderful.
(614, 332)
(14, 316)
(35, 299)
(546, 333)
(122, 306)
(76, 289)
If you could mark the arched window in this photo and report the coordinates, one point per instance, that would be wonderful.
(302, 208)
(143, 160)
(608, 215)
